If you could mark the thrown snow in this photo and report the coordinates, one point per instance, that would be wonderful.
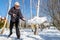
(0, 16)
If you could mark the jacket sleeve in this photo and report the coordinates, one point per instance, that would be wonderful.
(20, 15)
(10, 11)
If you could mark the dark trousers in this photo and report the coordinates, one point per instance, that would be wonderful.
(16, 26)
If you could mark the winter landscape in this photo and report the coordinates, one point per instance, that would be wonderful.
(40, 19)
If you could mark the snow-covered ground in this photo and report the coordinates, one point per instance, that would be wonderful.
(27, 34)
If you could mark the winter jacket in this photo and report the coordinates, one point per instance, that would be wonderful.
(17, 12)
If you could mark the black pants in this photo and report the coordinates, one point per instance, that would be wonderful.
(16, 26)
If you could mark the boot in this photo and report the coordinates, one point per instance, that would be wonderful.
(9, 34)
(18, 37)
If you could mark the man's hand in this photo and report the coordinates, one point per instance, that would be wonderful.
(14, 15)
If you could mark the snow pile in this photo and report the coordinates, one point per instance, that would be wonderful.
(37, 20)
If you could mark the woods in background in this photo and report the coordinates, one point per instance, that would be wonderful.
(52, 9)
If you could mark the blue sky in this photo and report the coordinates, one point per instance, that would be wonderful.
(26, 13)
(24, 9)
(3, 7)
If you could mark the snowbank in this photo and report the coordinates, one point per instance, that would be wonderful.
(37, 20)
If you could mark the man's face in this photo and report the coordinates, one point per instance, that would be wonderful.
(17, 7)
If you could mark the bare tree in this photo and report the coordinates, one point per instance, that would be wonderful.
(53, 11)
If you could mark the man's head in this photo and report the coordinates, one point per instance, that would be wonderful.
(17, 5)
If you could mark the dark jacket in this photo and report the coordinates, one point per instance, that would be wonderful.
(17, 12)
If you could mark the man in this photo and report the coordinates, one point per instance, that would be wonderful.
(15, 14)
